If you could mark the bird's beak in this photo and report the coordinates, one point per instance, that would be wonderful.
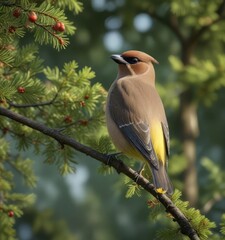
(118, 59)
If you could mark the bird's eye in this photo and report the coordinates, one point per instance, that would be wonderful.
(131, 60)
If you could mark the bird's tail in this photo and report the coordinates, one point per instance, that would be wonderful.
(161, 179)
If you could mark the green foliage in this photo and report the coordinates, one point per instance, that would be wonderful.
(171, 233)
(74, 6)
(133, 189)
(191, 12)
(216, 175)
(198, 221)
(47, 227)
(79, 109)
(15, 22)
(11, 203)
(223, 226)
(6, 58)
(102, 144)
(62, 156)
(205, 77)
(63, 99)
(213, 184)
(201, 76)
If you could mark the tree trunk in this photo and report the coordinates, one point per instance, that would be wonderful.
(190, 131)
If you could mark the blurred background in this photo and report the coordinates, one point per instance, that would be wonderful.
(87, 205)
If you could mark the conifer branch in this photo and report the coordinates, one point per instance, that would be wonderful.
(46, 29)
(27, 10)
(117, 164)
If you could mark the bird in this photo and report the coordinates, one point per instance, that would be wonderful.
(135, 116)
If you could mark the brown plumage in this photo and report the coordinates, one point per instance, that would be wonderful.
(135, 115)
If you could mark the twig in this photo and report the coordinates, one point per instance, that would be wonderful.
(117, 164)
(207, 207)
(196, 35)
(171, 23)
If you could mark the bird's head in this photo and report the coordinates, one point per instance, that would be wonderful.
(134, 63)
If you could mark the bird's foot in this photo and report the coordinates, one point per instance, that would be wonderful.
(137, 175)
(141, 169)
(139, 172)
(112, 155)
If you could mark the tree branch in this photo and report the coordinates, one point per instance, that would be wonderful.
(221, 16)
(171, 23)
(117, 164)
(221, 9)
(208, 206)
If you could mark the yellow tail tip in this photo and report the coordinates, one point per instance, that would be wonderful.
(160, 190)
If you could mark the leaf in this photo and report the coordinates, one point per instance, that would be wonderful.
(133, 189)
(176, 63)
(105, 170)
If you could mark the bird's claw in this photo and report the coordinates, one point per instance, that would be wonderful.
(112, 155)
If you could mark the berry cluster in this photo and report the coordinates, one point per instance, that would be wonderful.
(33, 17)
(82, 103)
(21, 90)
(11, 29)
(83, 122)
(16, 12)
(59, 27)
(68, 119)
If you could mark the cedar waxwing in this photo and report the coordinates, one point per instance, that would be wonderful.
(135, 115)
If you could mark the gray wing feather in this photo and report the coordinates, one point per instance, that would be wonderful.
(139, 136)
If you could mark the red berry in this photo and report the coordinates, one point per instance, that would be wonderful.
(86, 97)
(59, 26)
(10, 213)
(56, 26)
(82, 104)
(83, 122)
(68, 119)
(11, 29)
(16, 12)
(21, 90)
(32, 17)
